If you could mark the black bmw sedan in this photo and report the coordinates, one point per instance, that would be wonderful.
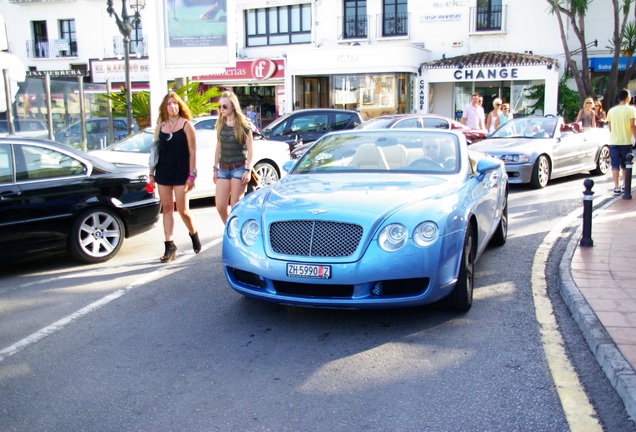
(55, 199)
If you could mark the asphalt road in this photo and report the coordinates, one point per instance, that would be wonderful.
(136, 345)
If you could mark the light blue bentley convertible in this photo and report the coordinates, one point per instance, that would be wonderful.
(370, 219)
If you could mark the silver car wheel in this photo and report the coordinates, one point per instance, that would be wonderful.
(97, 236)
(541, 172)
(267, 173)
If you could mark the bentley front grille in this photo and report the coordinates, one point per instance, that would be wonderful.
(308, 238)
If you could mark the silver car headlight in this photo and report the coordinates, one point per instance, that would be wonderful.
(233, 228)
(250, 231)
(515, 158)
(392, 237)
(425, 233)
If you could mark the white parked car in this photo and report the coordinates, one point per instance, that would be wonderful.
(269, 157)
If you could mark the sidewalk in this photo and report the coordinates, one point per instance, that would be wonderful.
(598, 283)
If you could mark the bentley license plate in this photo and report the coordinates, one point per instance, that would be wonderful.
(309, 271)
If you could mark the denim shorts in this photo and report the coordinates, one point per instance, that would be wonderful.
(234, 173)
(618, 155)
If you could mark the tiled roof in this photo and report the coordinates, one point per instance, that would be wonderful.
(490, 58)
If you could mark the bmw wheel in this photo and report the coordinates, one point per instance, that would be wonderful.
(540, 172)
(603, 162)
(461, 299)
(96, 236)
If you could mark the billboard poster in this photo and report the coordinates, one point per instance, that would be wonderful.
(196, 33)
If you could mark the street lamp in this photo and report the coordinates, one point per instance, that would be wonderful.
(126, 24)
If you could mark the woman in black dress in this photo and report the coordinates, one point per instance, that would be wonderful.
(176, 170)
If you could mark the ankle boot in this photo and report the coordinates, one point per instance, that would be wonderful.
(196, 243)
(171, 252)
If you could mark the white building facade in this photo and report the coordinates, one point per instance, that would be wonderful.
(375, 56)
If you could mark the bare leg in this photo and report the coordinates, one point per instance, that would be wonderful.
(167, 206)
(222, 197)
(183, 207)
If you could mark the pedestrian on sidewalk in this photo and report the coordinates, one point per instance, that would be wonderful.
(473, 115)
(176, 170)
(233, 156)
(622, 126)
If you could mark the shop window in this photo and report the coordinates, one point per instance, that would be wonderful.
(355, 19)
(489, 15)
(278, 25)
(395, 20)
(66, 46)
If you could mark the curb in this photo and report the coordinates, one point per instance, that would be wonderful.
(618, 370)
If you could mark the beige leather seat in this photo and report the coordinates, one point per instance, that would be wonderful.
(369, 157)
(395, 156)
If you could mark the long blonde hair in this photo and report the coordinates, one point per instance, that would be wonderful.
(241, 127)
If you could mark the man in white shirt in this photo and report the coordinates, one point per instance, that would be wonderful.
(474, 116)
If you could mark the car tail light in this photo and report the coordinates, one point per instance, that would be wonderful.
(150, 188)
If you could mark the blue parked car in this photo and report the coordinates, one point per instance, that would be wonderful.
(370, 219)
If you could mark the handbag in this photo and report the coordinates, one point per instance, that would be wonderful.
(255, 180)
(153, 159)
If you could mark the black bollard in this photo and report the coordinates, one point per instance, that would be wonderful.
(586, 240)
(627, 193)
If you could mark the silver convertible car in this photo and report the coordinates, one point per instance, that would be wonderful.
(538, 149)
(370, 219)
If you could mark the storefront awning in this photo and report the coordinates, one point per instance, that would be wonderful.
(491, 59)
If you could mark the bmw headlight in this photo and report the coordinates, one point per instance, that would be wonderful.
(515, 158)
(233, 228)
(425, 233)
(392, 237)
(250, 232)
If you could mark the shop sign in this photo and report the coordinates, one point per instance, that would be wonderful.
(604, 64)
(71, 73)
(421, 95)
(263, 68)
(115, 70)
(473, 74)
(259, 69)
(440, 18)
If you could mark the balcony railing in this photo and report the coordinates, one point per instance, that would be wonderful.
(394, 24)
(489, 19)
(137, 47)
(356, 27)
(51, 49)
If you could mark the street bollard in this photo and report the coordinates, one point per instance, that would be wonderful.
(586, 240)
(627, 193)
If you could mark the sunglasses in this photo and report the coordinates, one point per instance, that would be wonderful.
(225, 106)
(505, 108)
(588, 103)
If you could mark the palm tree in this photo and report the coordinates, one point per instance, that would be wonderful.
(199, 102)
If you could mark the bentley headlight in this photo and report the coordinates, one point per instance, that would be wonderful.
(233, 228)
(250, 232)
(515, 158)
(392, 237)
(425, 233)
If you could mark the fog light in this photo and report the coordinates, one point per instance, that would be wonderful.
(377, 289)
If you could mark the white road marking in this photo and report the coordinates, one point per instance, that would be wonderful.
(60, 324)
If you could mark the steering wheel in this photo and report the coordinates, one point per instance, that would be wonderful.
(426, 162)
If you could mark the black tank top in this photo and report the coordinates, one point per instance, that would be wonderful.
(174, 159)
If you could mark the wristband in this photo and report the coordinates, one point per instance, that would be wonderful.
(215, 168)
(191, 178)
(248, 169)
